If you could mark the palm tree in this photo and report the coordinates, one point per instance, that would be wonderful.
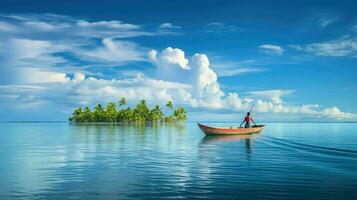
(141, 112)
(122, 101)
(180, 114)
(87, 114)
(99, 114)
(111, 112)
(170, 105)
(121, 113)
(128, 115)
(156, 114)
(77, 115)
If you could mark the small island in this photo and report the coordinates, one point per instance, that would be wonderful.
(141, 113)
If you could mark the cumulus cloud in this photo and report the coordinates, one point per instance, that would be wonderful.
(170, 57)
(42, 54)
(89, 90)
(33, 75)
(206, 92)
(271, 49)
(335, 112)
(78, 76)
(200, 89)
(273, 95)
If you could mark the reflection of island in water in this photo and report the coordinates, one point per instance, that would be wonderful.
(232, 138)
(111, 133)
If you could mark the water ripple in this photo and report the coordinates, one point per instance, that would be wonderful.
(59, 161)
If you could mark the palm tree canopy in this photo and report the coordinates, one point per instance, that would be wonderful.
(170, 105)
(122, 101)
(139, 114)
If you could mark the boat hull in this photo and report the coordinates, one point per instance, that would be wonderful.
(230, 130)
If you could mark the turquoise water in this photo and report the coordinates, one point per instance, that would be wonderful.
(285, 161)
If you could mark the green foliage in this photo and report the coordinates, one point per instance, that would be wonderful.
(111, 112)
(156, 114)
(180, 114)
(99, 113)
(141, 113)
(169, 118)
(170, 105)
(122, 101)
(87, 115)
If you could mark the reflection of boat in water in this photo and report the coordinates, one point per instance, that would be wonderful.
(230, 130)
(225, 138)
(247, 139)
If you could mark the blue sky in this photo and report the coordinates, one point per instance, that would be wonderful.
(295, 61)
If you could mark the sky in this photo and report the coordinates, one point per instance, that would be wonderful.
(295, 61)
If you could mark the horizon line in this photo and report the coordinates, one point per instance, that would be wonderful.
(62, 121)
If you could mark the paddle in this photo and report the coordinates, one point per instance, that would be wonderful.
(251, 108)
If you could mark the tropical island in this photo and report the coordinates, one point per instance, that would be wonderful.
(141, 113)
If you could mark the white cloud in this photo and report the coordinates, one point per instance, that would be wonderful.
(235, 68)
(169, 58)
(31, 53)
(344, 46)
(168, 26)
(273, 95)
(40, 60)
(60, 26)
(152, 55)
(206, 83)
(27, 49)
(107, 24)
(221, 28)
(33, 75)
(112, 51)
(41, 41)
(78, 76)
(335, 112)
(271, 49)
(238, 71)
(325, 21)
(45, 26)
(4, 26)
(200, 89)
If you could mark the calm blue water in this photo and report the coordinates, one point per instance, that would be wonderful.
(62, 161)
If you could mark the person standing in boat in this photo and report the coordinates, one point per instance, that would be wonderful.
(247, 121)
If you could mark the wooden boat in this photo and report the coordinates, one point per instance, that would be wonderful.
(230, 130)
